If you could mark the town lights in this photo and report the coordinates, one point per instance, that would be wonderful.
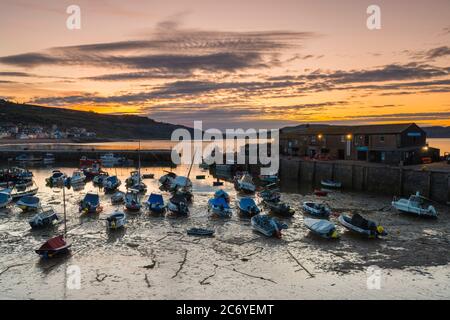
(425, 148)
(349, 137)
(320, 136)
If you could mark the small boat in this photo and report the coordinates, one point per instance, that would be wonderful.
(31, 191)
(200, 177)
(417, 205)
(269, 178)
(53, 247)
(166, 180)
(110, 160)
(90, 203)
(248, 207)
(279, 208)
(77, 177)
(100, 178)
(323, 228)
(316, 209)
(29, 203)
(270, 193)
(267, 226)
(148, 176)
(22, 185)
(5, 198)
(178, 204)
(116, 220)
(57, 178)
(181, 182)
(320, 193)
(111, 183)
(220, 207)
(200, 232)
(93, 171)
(133, 179)
(222, 194)
(88, 163)
(28, 158)
(362, 226)
(331, 183)
(49, 158)
(132, 201)
(139, 187)
(155, 203)
(118, 197)
(245, 184)
(43, 219)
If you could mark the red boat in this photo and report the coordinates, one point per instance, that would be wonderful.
(87, 163)
(53, 247)
(320, 193)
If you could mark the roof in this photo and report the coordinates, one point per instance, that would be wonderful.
(343, 130)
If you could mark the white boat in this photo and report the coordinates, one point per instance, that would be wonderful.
(44, 218)
(5, 198)
(31, 191)
(110, 160)
(331, 184)
(77, 177)
(245, 184)
(416, 204)
(49, 158)
(57, 178)
(316, 209)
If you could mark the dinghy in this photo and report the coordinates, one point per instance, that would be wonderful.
(5, 198)
(200, 232)
(331, 184)
(270, 179)
(279, 208)
(155, 203)
(132, 201)
(133, 179)
(178, 204)
(100, 179)
(139, 187)
(118, 197)
(323, 228)
(316, 209)
(267, 226)
(166, 180)
(320, 193)
(78, 177)
(270, 193)
(245, 184)
(29, 203)
(222, 194)
(18, 194)
(90, 203)
(220, 207)
(43, 219)
(248, 207)
(53, 247)
(362, 226)
(111, 183)
(417, 205)
(116, 220)
(148, 176)
(181, 183)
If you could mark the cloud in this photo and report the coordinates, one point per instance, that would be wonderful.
(438, 52)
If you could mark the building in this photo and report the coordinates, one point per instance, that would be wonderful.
(388, 143)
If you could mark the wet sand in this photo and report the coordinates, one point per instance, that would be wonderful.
(153, 258)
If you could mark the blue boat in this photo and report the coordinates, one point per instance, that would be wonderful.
(222, 194)
(316, 209)
(5, 197)
(90, 203)
(116, 220)
(155, 203)
(29, 203)
(322, 228)
(220, 207)
(110, 184)
(43, 219)
(268, 226)
(132, 201)
(178, 204)
(248, 207)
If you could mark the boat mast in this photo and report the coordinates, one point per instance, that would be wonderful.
(139, 162)
(64, 206)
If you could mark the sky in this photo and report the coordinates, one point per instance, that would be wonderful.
(232, 64)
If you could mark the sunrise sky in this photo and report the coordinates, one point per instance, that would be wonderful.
(245, 63)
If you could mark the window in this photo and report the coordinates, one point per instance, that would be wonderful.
(381, 138)
(342, 138)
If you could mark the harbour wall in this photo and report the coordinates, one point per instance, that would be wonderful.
(388, 180)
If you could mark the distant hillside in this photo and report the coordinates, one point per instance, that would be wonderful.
(432, 132)
(105, 126)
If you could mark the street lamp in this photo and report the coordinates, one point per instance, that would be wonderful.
(349, 136)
